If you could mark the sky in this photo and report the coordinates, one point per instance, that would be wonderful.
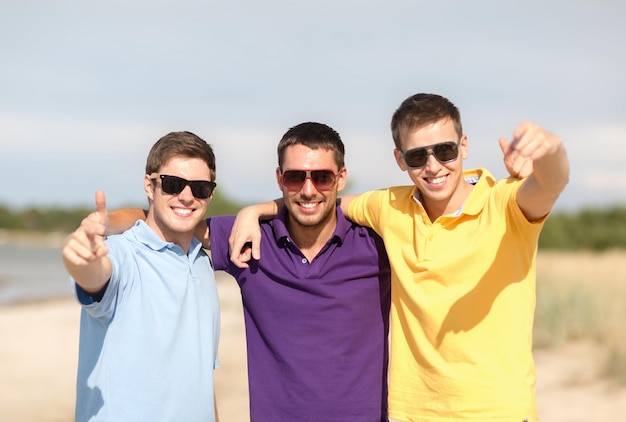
(86, 87)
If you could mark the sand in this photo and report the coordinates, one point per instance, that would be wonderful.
(38, 354)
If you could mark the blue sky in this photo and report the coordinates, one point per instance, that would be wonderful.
(86, 87)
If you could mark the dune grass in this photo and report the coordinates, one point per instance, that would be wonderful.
(582, 295)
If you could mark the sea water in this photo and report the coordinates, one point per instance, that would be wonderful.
(31, 272)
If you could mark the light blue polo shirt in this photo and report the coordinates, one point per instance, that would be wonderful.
(149, 347)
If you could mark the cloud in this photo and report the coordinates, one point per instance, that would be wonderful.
(89, 87)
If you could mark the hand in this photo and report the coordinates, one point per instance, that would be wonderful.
(245, 238)
(533, 143)
(86, 244)
(517, 165)
(550, 168)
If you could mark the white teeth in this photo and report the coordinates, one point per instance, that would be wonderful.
(182, 211)
(437, 180)
(308, 204)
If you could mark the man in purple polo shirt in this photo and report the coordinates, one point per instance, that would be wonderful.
(316, 306)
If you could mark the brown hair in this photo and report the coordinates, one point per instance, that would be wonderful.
(313, 135)
(420, 110)
(184, 144)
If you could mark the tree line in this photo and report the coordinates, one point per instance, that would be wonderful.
(586, 229)
(65, 220)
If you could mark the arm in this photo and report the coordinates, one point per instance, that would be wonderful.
(344, 203)
(85, 253)
(122, 219)
(217, 416)
(550, 173)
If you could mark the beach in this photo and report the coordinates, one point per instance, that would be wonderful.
(38, 356)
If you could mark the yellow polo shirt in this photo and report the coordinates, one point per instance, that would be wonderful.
(463, 301)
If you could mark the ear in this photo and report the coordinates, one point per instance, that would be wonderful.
(397, 155)
(148, 186)
(342, 178)
(278, 182)
(464, 147)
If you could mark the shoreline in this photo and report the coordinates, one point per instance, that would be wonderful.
(32, 238)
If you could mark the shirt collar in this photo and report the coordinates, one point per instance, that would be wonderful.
(281, 235)
(472, 176)
(145, 235)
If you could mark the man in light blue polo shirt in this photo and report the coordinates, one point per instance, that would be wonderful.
(150, 312)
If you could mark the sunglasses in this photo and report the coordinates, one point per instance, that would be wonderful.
(174, 185)
(322, 179)
(445, 152)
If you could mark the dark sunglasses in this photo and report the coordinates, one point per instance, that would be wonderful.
(174, 185)
(445, 152)
(322, 179)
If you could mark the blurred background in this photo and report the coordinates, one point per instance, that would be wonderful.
(87, 87)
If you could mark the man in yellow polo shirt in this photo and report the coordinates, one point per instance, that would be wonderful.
(462, 250)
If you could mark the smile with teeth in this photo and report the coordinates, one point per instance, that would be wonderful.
(436, 180)
(183, 212)
(308, 204)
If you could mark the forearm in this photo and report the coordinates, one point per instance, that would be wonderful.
(540, 191)
(552, 172)
(264, 210)
(122, 219)
(91, 277)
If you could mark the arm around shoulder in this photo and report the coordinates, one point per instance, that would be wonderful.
(245, 236)
(123, 219)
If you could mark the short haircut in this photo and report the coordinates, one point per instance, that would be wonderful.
(313, 135)
(180, 144)
(420, 110)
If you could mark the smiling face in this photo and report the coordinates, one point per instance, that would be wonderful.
(442, 186)
(310, 208)
(175, 216)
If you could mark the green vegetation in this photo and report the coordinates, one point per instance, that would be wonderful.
(47, 220)
(587, 229)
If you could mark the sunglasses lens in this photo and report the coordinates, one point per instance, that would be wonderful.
(172, 185)
(446, 151)
(416, 158)
(201, 189)
(294, 179)
(323, 179)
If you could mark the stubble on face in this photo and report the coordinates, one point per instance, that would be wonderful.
(309, 209)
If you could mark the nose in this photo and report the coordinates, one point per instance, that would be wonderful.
(431, 161)
(186, 195)
(308, 188)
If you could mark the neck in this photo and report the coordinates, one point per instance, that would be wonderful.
(436, 209)
(182, 239)
(311, 239)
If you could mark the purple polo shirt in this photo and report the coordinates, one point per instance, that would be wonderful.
(316, 331)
